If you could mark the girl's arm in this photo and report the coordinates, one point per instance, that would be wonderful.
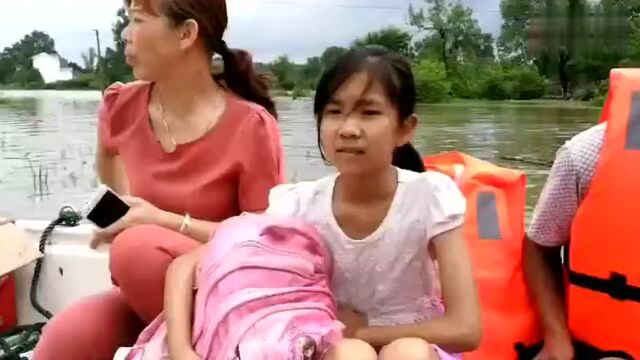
(178, 302)
(459, 329)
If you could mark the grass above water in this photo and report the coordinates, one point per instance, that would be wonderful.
(540, 103)
(17, 103)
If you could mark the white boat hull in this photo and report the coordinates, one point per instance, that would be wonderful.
(70, 271)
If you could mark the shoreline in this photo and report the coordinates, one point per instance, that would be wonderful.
(8, 95)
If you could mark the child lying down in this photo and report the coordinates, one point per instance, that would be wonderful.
(262, 292)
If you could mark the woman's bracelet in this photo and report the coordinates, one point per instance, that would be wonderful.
(186, 223)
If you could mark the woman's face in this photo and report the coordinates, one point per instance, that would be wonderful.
(153, 43)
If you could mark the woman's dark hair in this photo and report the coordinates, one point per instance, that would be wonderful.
(390, 70)
(211, 15)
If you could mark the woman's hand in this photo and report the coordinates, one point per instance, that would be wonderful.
(352, 320)
(140, 212)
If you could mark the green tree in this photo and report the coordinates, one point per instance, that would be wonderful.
(469, 79)
(634, 38)
(452, 33)
(431, 81)
(15, 61)
(434, 23)
(311, 72)
(518, 82)
(285, 72)
(113, 66)
(623, 32)
(514, 38)
(7, 68)
(331, 55)
(27, 77)
(392, 38)
(468, 42)
(575, 42)
(32, 44)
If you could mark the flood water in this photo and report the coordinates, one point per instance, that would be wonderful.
(48, 139)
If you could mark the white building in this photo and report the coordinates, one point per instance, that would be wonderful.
(50, 68)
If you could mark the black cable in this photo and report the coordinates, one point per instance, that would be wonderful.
(67, 216)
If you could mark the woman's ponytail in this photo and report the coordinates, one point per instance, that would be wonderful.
(241, 78)
(407, 157)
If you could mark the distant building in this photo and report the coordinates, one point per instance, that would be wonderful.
(50, 68)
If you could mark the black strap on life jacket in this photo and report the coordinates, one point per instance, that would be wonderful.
(615, 286)
(583, 351)
(527, 352)
(587, 352)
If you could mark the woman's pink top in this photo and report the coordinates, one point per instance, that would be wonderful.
(225, 172)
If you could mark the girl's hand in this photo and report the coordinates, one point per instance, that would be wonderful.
(352, 320)
(141, 212)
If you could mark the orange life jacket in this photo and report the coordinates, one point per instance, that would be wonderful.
(606, 107)
(603, 293)
(494, 230)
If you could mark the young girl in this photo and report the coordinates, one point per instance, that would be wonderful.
(385, 224)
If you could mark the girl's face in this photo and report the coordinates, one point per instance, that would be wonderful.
(153, 44)
(360, 128)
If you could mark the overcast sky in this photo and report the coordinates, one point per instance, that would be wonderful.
(268, 28)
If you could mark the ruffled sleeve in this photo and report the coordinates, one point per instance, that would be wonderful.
(446, 206)
(284, 200)
(263, 162)
(106, 119)
(303, 199)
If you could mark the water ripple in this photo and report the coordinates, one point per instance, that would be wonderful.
(47, 143)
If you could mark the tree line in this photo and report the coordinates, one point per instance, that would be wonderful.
(546, 48)
(17, 71)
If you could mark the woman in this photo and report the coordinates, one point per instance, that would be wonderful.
(184, 151)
